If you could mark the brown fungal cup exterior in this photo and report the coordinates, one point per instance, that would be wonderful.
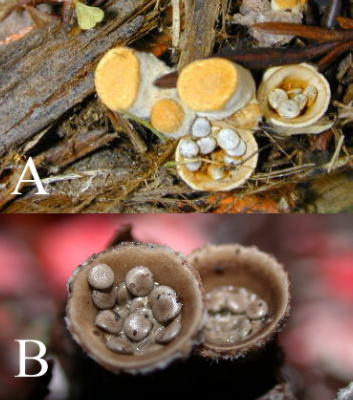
(244, 267)
(168, 268)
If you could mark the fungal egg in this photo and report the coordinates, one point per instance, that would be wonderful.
(238, 151)
(137, 326)
(193, 165)
(139, 281)
(201, 127)
(105, 299)
(228, 139)
(170, 332)
(207, 144)
(216, 172)
(189, 148)
(276, 97)
(288, 109)
(108, 321)
(165, 307)
(101, 276)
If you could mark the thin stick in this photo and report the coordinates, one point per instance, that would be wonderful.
(176, 23)
(304, 31)
(146, 125)
(261, 58)
(332, 11)
(120, 122)
(332, 56)
(336, 154)
(345, 23)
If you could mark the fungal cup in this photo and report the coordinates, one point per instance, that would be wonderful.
(219, 169)
(248, 297)
(294, 99)
(119, 340)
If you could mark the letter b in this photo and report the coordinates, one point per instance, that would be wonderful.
(38, 358)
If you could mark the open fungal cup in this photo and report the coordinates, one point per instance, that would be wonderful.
(135, 307)
(216, 158)
(295, 6)
(247, 295)
(294, 99)
(124, 80)
(215, 87)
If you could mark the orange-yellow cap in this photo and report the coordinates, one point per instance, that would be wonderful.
(117, 78)
(167, 116)
(208, 85)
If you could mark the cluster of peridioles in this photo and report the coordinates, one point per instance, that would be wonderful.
(214, 110)
(137, 307)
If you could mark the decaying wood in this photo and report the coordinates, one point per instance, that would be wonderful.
(48, 72)
(199, 36)
(120, 123)
(111, 195)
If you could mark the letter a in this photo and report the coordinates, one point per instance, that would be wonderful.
(38, 357)
(36, 178)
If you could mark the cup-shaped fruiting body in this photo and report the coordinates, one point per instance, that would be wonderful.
(170, 117)
(220, 160)
(294, 99)
(288, 5)
(124, 80)
(158, 311)
(215, 87)
(247, 293)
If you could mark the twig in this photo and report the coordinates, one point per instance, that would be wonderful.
(262, 57)
(283, 172)
(176, 23)
(332, 11)
(121, 123)
(304, 31)
(146, 124)
(335, 154)
(332, 56)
